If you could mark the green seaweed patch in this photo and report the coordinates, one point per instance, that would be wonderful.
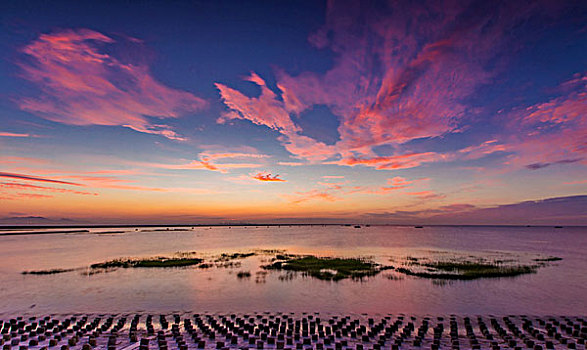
(151, 262)
(394, 277)
(548, 259)
(180, 254)
(234, 256)
(46, 272)
(269, 251)
(326, 268)
(243, 274)
(467, 270)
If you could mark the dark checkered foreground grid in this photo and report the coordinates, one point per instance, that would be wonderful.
(290, 331)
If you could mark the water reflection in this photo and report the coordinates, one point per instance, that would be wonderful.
(555, 289)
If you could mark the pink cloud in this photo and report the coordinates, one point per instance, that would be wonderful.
(264, 110)
(300, 197)
(307, 148)
(232, 155)
(12, 134)
(267, 110)
(22, 160)
(332, 185)
(114, 172)
(221, 161)
(399, 181)
(375, 190)
(577, 182)
(290, 163)
(344, 188)
(456, 208)
(400, 74)
(112, 183)
(393, 184)
(484, 149)
(427, 195)
(391, 84)
(551, 132)
(24, 195)
(403, 161)
(32, 178)
(29, 187)
(103, 179)
(82, 84)
(267, 177)
(207, 163)
(33, 195)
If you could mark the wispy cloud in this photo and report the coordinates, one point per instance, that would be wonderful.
(427, 195)
(12, 134)
(550, 211)
(29, 187)
(267, 177)
(209, 161)
(267, 110)
(40, 179)
(403, 161)
(206, 164)
(22, 160)
(343, 189)
(536, 166)
(290, 163)
(393, 184)
(81, 83)
(576, 182)
(552, 132)
(392, 84)
(299, 197)
(220, 161)
(417, 96)
(112, 182)
(29, 196)
(214, 156)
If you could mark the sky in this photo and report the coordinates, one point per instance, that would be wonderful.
(383, 112)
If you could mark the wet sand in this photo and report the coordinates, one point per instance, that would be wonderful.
(301, 331)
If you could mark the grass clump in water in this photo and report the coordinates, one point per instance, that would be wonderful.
(548, 259)
(234, 256)
(175, 262)
(333, 269)
(467, 270)
(150, 262)
(243, 274)
(47, 272)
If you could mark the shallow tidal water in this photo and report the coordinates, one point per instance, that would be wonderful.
(557, 289)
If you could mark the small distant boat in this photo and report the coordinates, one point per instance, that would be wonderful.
(558, 227)
(357, 226)
(418, 226)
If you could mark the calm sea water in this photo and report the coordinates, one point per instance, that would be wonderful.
(557, 289)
